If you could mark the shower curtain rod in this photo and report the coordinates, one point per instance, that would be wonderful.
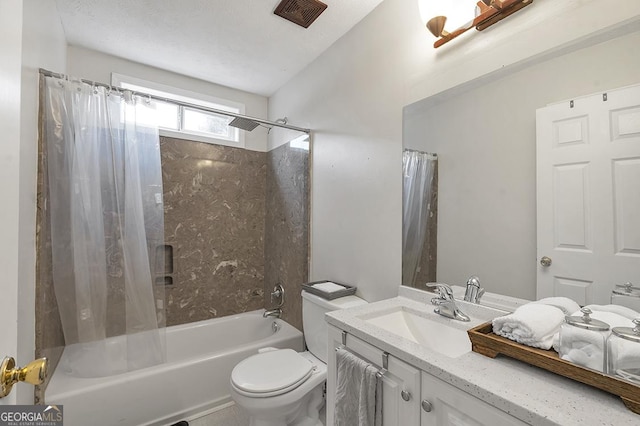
(48, 73)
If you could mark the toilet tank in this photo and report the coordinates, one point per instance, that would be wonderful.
(316, 333)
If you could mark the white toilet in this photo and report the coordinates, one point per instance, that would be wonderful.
(281, 387)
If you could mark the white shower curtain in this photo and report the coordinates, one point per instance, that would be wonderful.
(418, 171)
(104, 181)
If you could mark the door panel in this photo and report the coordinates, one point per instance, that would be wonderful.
(626, 176)
(571, 207)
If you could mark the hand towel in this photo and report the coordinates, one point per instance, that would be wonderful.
(358, 392)
(617, 309)
(328, 287)
(565, 304)
(533, 324)
(585, 347)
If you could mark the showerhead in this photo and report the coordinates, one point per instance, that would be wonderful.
(244, 124)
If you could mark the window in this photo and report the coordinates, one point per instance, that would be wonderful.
(188, 123)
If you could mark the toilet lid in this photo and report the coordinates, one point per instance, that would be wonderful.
(271, 371)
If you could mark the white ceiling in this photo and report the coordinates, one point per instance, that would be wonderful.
(236, 43)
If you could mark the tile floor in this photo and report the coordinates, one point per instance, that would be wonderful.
(229, 416)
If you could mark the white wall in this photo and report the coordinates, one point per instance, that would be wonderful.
(486, 143)
(31, 37)
(96, 66)
(352, 96)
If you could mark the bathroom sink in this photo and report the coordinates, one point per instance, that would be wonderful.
(430, 330)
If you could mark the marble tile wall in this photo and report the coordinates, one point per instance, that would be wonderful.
(214, 198)
(287, 228)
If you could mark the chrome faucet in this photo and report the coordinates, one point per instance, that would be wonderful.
(272, 313)
(446, 304)
(473, 292)
(277, 293)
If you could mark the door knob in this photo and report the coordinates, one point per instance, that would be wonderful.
(35, 373)
(426, 406)
(545, 261)
(406, 396)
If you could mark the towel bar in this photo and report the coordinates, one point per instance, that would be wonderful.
(385, 365)
(385, 356)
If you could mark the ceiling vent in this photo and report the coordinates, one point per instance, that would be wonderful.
(301, 12)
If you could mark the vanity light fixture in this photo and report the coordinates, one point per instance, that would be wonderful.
(487, 12)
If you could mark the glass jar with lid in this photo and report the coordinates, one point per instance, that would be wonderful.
(624, 352)
(626, 295)
(583, 341)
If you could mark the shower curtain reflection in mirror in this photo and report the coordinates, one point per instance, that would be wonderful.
(419, 217)
(104, 180)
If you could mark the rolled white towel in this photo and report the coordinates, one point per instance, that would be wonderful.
(626, 364)
(582, 347)
(617, 309)
(611, 318)
(533, 324)
(565, 304)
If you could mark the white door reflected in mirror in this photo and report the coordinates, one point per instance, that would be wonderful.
(588, 202)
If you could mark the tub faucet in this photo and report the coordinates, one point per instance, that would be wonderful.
(277, 293)
(275, 313)
(446, 304)
(474, 292)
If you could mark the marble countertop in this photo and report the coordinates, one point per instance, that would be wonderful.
(528, 393)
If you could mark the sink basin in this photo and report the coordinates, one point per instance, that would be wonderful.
(443, 335)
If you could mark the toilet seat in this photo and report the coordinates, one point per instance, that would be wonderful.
(271, 373)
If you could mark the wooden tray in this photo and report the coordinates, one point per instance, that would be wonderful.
(485, 342)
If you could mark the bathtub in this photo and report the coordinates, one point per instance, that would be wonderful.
(194, 380)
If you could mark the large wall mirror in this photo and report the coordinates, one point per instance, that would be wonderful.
(484, 139)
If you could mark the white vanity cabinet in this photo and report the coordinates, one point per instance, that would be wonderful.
(446, 405)
(412, 397)
(400, 384)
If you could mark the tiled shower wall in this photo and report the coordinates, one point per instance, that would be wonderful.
(287, 228)
(236, 223)
(214, 200)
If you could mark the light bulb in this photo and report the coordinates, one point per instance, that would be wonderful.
(458, 12)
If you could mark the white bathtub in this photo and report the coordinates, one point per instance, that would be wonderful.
(195, 378)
